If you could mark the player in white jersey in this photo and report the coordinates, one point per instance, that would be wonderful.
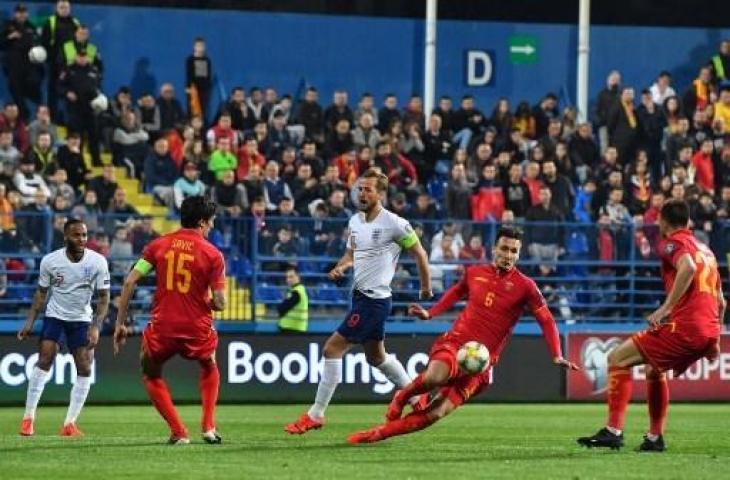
(69, 276)
(375, 241)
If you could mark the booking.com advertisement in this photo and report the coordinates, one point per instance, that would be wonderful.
(271, 368)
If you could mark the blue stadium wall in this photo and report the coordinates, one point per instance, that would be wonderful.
(143, 47)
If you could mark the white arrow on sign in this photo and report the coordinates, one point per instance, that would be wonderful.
(525, 49)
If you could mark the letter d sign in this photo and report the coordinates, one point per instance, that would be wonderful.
(479, 68)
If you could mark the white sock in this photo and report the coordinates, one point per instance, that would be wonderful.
(652, 437)
(78, 396)
(396, 373)
(36, 384)
(615, 431)
(331, 376)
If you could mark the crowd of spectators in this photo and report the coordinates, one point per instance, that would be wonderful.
(270, 157)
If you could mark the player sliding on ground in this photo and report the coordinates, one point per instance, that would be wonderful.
(69, 276)
(374, 244)
(188, 268)
(496, 296)
(683, 330)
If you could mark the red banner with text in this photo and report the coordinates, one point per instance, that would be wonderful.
(704, 381)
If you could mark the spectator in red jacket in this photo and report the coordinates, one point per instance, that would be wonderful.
(401, 172)
(704, 170)
(348, 166)
(532, 179)
(222, 129)
(474, 250)
(10, 120)
(249, 155)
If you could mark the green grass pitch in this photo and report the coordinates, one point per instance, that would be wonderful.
(477, 441)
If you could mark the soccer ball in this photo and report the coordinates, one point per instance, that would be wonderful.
(473, 358)
(37, 54)
(100, 103)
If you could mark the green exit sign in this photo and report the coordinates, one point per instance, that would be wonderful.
(523, 49)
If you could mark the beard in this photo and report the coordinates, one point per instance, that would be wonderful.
(364, 206)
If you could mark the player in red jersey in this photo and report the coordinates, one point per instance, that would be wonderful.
(684, 329)
(496, 295)
(188, 268)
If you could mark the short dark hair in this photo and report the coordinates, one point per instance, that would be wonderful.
(70, 223)
(508, 232)
(292, 268)
(194, 209)
(675, 213)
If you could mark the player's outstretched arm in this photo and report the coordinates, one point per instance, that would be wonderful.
(120, 329)
(552, 336)
(424, 273)
(338, 272)
(102, 310)
(39, 299)
(449, 298)
(686, 269)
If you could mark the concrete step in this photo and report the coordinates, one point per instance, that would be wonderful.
(163, 226)
(154, 210)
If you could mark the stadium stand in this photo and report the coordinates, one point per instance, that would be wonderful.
(283, 170)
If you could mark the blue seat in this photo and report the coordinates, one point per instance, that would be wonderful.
(266, 293)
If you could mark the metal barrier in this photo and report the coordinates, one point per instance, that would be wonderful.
(589, 273)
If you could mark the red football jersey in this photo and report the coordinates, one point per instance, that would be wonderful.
(494, 303)
(697, 312)
(188, 267)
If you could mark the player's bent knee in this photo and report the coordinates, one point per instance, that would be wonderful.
(333, 349)
(437, 373)
(375, 360)
(653, 374)
(150, 369)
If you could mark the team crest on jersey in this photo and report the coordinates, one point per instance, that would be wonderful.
(377, 233)
(88, 274)
(57, 280)
(669, 248)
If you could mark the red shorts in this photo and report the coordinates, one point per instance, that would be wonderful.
(161, 348)
(460, 387)
(667, 348)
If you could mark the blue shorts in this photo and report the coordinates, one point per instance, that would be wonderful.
(366, 319)
(75, 334)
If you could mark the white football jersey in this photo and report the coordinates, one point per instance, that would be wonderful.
(376, 246)
(72, 285)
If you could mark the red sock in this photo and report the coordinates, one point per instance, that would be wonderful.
(416, 387)
(657, 397)
(210, 380)
(161, 399)
(619, 394)
(410, 423)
